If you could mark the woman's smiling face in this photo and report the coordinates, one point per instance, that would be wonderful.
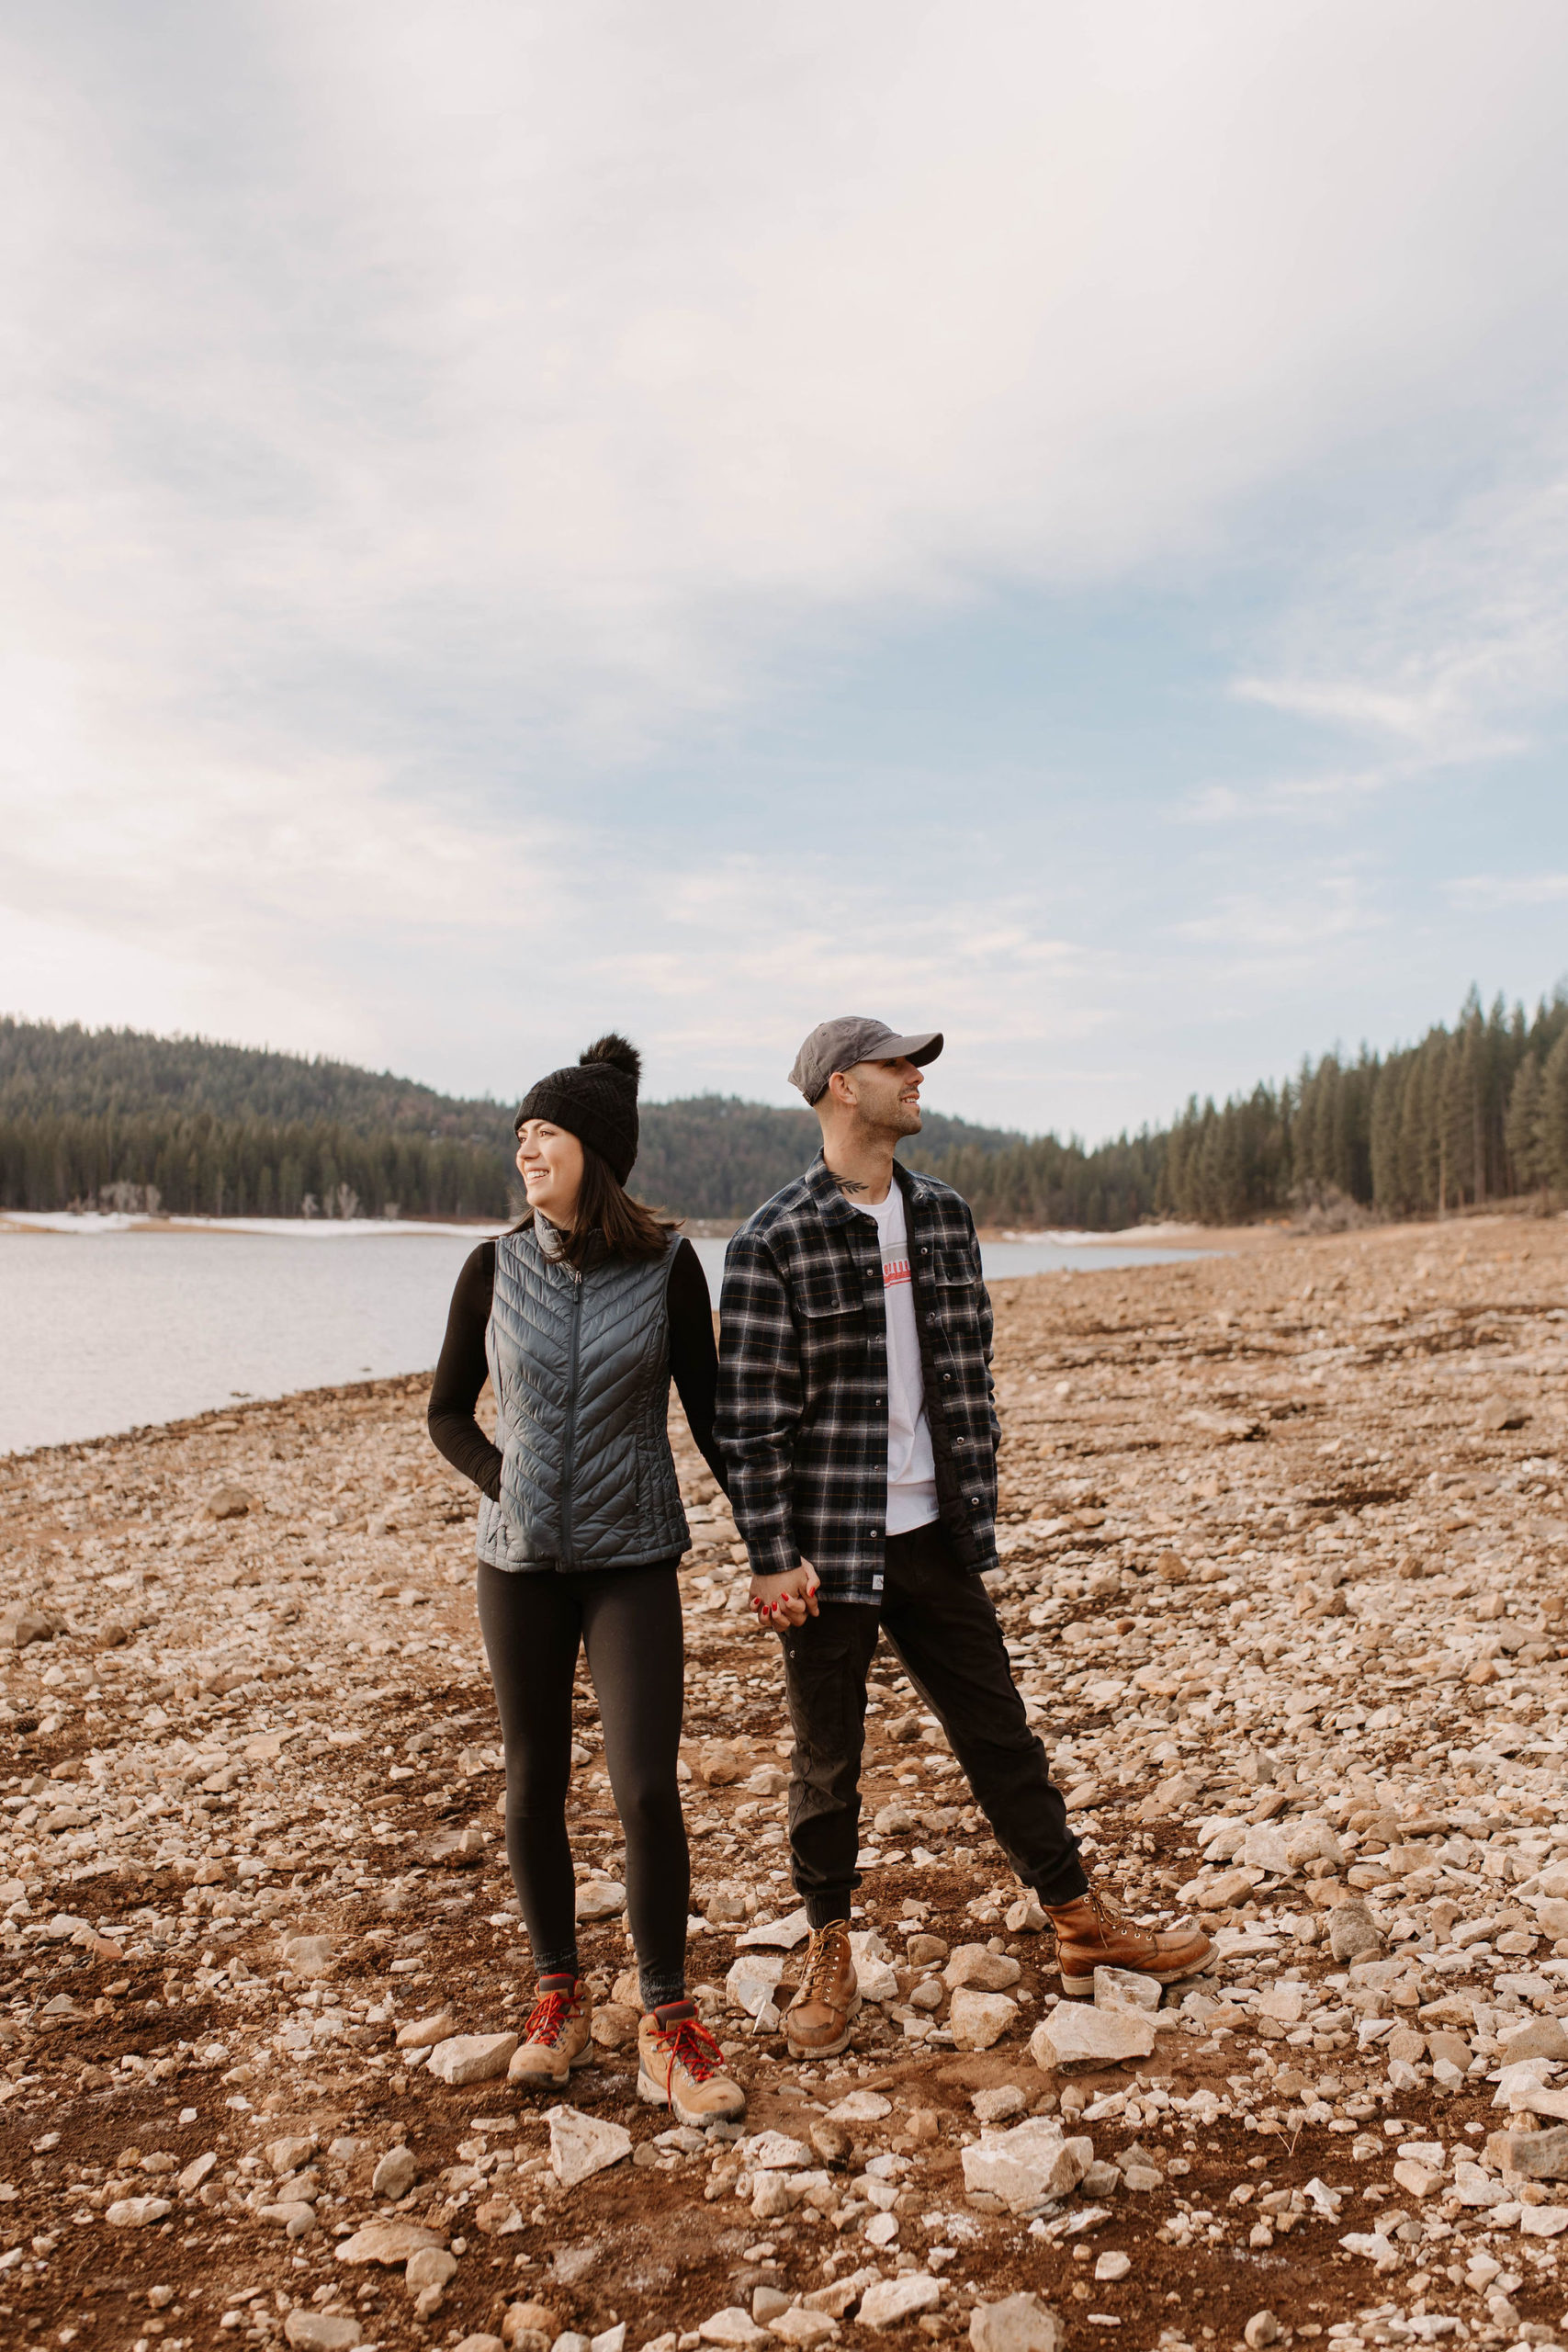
(551, 1162)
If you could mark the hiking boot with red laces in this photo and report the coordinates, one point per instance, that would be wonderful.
(680, 2065)
(557, 2037)
(817, 2023)
(1093, 1933)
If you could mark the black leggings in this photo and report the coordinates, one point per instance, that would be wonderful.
(629, 1621)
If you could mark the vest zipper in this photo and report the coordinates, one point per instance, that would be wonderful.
(569, 1443)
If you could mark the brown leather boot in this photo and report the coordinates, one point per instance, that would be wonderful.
(557, 2037)
(817, 2022)
(1093, 1933)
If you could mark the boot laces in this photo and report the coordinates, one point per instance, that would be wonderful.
(686, 2044)
(822, 1962)
(1114, 1921)
(548, 2017)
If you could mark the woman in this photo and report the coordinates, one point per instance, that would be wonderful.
(580, 1315)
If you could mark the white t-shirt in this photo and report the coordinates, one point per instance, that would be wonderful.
(911, 1467)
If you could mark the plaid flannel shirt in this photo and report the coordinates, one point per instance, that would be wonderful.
(801, 1417)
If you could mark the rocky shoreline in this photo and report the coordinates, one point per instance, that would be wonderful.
(1284, 1537)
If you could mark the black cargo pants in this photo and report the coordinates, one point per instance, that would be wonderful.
(942, 1623)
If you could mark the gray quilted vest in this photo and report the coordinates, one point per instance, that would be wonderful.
(581, 1368)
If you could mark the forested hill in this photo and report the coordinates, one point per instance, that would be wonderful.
(115, 1118)
(118, 1118)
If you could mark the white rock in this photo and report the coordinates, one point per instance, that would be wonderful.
(423, 2033)
(1543, 2221)
(1074, 2031)
(874, 1975)
(1025, 2165)
(882, 2229)
(892, 2299)
(1267, 1848)
(733, 2326)
(1311, 1840)
(137, 2212)
(472, 2057)
(1285, 2002)
(580, 2145)
(431, 2267)
(861, 2107)
(797, 2326)
(980, 2019)
(610, 2339)
(753, 1980)
(775, 2152)
(1124, 1988)
(1261, 2329)
(600, 1898)
(994, 2105)
(1111, 2266)
(1017, 2324)
(396, 2173)
(311, 2331)
(779, 1935)
(980, 1969)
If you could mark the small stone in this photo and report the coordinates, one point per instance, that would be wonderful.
(925, 1951)
(795, 2326)
(752, 1981)
(1017, 2324)
(614, 2025)
(732, 2326)
(395, 2175)
(1543, 2221)
(1124, 1988)
(233, 1502)
(1533, 2155)
(861, 2107)
(472, 2057)
(20, 1626)
(196, 2172)
(1074, 2033)
(423, 2033)
(311, 2331)
(1261, 2328)
(479, 2343)
(1033, 2161)
(288, 2154)
(767, 2303)
(777, 1934)
(600, 1898)
(1416, 2179)
(1351, 1935)
(1542, 2038)
(387, 2242)
(892, 2299)
(431, 2267)
(876, 1979)
(308, 1956)
(1111, 2266)
(983, 1971)
(580, 2145)
(529, 2327)
(1265, 1848)
(1026, 1916)
(994, 2106)
(137, 2212)
(977, 2020)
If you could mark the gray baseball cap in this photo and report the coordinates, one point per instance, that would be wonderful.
(840, 1045)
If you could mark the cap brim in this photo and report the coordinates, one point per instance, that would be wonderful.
(922, 1048)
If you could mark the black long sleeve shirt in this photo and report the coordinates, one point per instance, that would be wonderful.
(463, 1368)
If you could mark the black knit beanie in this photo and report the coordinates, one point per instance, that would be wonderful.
(595, 1101)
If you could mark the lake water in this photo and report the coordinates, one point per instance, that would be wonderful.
(103, 1329)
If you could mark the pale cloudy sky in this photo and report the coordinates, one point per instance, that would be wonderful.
(1048, 520)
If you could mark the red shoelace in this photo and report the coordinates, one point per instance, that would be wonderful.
(687, 2043)
(548, 2017)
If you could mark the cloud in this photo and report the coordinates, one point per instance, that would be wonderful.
(426, 425)
(1493, 890)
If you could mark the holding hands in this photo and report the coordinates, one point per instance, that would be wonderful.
(787, 1599)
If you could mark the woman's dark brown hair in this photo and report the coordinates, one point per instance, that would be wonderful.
(630, 1230)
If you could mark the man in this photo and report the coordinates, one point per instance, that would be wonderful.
(857, 1420)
